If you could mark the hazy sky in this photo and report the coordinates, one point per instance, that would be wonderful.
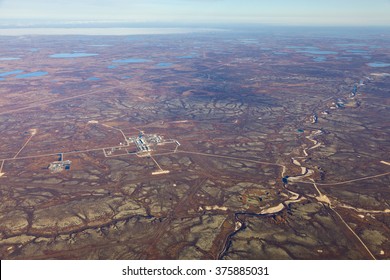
(312, 12)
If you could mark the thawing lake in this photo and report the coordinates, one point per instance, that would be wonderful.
(72, 55)
(5, 74)
(319, 59)
(317, 52)
(164, 64)
(9, 58)
(132, 60)
(378, 64)
(358, 51)
(186, 56)
(93, 79)
(32, 74)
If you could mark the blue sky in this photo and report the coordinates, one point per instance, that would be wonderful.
(295, 12)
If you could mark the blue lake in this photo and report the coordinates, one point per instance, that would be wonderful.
(294, 47)
(32, 75)
(345, 58)
(357, 45)
(1, 79)
(185, 56)
(72, 55)
(93, 79)
(164, 64)
(317, 52)
(302, 47)
(132, 60)
(111, 67)
(5, 74)
(9, 58)
(352, 45)
(358, 51)
(378, 64)
(126, 77)
(319, 59)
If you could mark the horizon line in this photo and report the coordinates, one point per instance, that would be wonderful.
(126, 24)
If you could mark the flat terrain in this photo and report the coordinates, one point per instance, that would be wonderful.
(223, 145)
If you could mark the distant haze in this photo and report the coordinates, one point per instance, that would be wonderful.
(284, 12)
(99, 31)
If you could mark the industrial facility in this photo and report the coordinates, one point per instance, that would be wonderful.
(59, 166)
(146, 143)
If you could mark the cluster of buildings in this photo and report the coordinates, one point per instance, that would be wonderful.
(314, 118)
(146, 143)
(338, 104)
(58, 166)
